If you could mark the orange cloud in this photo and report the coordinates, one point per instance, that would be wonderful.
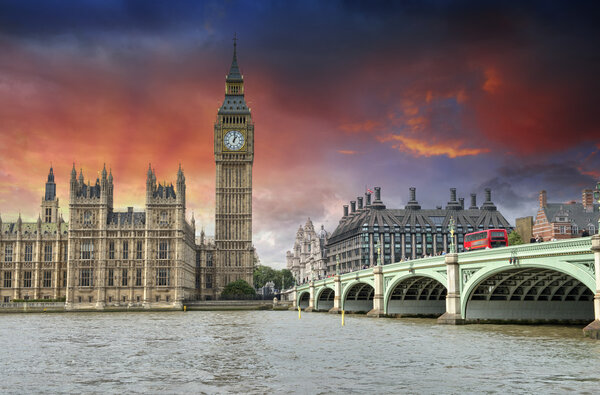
(418, 147)
(366, 126)
(347, 152)
(492, 81)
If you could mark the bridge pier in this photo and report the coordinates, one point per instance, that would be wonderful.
(294, 299)
(311, 298)
(337, 298)
(378, 296)
(593, 329)
(453, 315)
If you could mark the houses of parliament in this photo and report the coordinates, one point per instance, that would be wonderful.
(103, 257)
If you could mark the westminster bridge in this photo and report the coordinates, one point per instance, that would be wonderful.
(555, 281)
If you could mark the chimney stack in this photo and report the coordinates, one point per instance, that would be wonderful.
(345, 210)
(360, 202)
(353, 207)
(587, 198)
(452, 194)
(543, 199)
(378, 193)
(412, 203)
(473, 202)
(462, 203)
(368, 196)
(488, 205)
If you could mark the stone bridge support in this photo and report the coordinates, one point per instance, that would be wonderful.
(593, 329)
(378, 296)
(311, 299)
(453, 315)
(337, 299)
(294, 296)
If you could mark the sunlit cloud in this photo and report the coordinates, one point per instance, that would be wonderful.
(423, 148)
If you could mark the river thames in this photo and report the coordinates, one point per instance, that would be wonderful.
(274, 351)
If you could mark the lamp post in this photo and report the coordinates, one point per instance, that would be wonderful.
(379, 251)
(597, 199)
(452, 230)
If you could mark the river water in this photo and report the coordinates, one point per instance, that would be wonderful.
(274, 352)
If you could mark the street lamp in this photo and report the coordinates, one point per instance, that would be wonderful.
(451, 228)
(597, 199)
(379, 251)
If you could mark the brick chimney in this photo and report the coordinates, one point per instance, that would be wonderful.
(543, 199)
(587, 198)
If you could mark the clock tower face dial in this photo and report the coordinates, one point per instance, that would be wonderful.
(234, 140)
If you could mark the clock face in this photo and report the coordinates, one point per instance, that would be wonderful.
(234, 140)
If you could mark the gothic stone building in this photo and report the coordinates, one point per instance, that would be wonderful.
(309, 256)
(149, 258)
(407, 233)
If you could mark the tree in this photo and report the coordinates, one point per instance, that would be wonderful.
(514, 238)
(238, 288)
(288, 278)
(264, 274)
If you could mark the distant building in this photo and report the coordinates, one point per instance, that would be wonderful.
(566, 220)
(309, 255)
(524, 227)
(407, 233)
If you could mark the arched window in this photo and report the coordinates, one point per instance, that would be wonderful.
(87, 218)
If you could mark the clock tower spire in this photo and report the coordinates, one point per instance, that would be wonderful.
(234, 157)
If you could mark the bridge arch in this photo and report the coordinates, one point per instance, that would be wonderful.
(324, 298)
(416, 295)
(357, 296)
(304, 299)
(536, 291)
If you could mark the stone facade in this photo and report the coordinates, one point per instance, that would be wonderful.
(309, 257)
(33, 256)
(234, 157)
(147, 259)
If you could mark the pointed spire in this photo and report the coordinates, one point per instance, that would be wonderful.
(39, 221)
(81, 175)
(19, 221)
(234, 70)
(51, 174)
(180, 177)
(110, 177)
(149, 172)
(104, 172)
(73, 172)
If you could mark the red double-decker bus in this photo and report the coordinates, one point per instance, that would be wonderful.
(486, 239)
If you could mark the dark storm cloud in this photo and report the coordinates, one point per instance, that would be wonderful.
(518, 185)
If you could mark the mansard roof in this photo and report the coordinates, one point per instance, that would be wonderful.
(8, 228)
(573, 213)
(126, 218)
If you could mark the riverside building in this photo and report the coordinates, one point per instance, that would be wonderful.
(309, 256)
(149, 259)
(408, 233)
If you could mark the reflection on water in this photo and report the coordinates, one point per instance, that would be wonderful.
(266, 351)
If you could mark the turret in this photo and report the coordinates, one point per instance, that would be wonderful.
(181, 187)
(50, 201)
(19, 223)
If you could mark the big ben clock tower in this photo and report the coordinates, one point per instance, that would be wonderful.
(234, 156)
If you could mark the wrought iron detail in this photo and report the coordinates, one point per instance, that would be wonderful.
(468, 273)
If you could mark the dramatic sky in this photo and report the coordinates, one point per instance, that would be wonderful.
(344, 95)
